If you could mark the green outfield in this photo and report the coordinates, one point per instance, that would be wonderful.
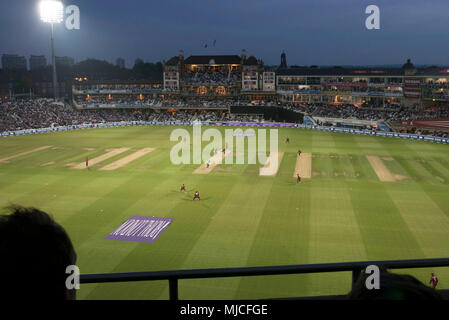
(367, 198)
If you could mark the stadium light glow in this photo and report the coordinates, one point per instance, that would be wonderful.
(51, 11)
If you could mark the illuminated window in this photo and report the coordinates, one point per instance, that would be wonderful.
(221, 90)
(201, 90)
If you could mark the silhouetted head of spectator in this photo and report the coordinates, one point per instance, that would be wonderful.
(34, 253)
(392, 287)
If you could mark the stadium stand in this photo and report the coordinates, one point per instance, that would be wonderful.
(43, 113)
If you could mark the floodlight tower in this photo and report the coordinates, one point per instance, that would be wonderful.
(52, 12)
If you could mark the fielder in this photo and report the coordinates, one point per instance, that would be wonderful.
(196, 196)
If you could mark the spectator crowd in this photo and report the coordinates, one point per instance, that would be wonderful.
(43, 113)
(370, 112)
(179, 102)
(212, 77)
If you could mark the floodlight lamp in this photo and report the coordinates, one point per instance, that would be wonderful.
(51, 11)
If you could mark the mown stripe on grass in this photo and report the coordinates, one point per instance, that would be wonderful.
(337, 166)
(25, 154)
(425, 209)
(437, 191)
(423, 171)
(368, 145)
(318, 167)
(362, 167)
(444, 162)
(13, 146)
(282, 239)
(384, 231)
(334, 235)
(227, 239)
(426, 221)
(426, 202)
(350, 163)
(442, 169)
(323, 143)
(349, 172)
(12, 179)
(160, 161)
(116, 256)
(434, 174)
(171, 250)
(21, 191)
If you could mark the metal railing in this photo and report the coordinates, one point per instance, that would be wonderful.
(174, 275)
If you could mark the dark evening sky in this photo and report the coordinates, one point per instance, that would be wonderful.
(322, 32)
